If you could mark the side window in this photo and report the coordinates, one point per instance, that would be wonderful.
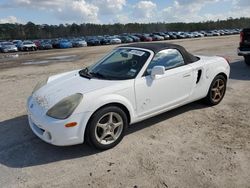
(169, 58)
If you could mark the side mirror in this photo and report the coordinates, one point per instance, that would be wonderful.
(157, 70)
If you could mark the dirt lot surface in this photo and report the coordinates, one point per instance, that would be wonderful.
(192, 146)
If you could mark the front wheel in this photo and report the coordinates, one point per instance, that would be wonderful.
(247, 59)
(216, 91)
(106, 127)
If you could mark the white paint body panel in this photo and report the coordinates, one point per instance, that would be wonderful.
(143, 97)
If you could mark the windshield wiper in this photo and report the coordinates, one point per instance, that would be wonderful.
(85, 73)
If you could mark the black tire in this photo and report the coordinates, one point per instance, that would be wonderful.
(247, 59)
(92, 134)
(215, 97)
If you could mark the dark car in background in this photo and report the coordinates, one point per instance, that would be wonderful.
(104, 40)
(244, 48)
(93, 41)
(45, 45)
(135, 38)
(55, 43)
(144, 37)
(17, 42)
(172, 35)
(125, 39)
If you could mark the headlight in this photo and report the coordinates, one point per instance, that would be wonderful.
(39, 85)
(64, 108)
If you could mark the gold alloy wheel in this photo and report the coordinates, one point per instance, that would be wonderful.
(218, 90)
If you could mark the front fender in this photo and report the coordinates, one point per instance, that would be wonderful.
(97, 103)
(113, 98)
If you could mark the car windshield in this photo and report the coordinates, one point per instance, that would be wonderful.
(122, 64)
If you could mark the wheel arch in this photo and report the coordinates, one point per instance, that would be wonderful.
(117, 104)
(222, 74)
(213, 77)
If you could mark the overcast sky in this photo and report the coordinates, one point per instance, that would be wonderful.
(123, 11)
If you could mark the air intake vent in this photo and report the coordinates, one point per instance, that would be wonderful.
(198, 76)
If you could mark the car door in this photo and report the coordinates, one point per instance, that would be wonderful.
(164, 91)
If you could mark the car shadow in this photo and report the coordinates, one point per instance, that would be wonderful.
(19, 147)
(239, 70)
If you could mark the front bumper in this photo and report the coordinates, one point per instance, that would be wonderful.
(53, 131)
(244, 52)
(10, 50)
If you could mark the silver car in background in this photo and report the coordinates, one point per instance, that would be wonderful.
(8, 47)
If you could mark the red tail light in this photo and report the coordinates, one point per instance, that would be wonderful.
(241, 37)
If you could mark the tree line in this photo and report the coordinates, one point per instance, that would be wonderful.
(34, 31)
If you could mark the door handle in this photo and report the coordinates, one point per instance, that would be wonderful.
(186, 75)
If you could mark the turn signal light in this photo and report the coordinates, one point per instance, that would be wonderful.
(71, 124)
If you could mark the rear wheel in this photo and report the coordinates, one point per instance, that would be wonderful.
(216, 91)
(247, 59)
(107, 127)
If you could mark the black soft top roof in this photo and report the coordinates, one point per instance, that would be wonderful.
(156, 47)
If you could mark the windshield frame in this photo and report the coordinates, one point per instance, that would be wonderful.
(140, 72)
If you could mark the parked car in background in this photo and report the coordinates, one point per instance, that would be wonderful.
(37, 43)
(172, 35)
(27, 46)
(8, 47)
(45, 45)
(215, 33)
(189, 34)
(208, 33)
(156, 37)
(197, 34)
(144, 37)
(181, 35)
(64, 43)
(16, 42)
(55, 43)
(125, 39)
(135, 38)
(79, 43)
(164, 35)
(93, 41)
(244, 48)
(114, 40)
(1, 41)
(103, 40)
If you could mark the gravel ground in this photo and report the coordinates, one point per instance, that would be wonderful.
(192, 146)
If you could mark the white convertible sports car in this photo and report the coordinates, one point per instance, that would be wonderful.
(130, 84)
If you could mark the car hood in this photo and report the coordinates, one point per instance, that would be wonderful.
(63, 85)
